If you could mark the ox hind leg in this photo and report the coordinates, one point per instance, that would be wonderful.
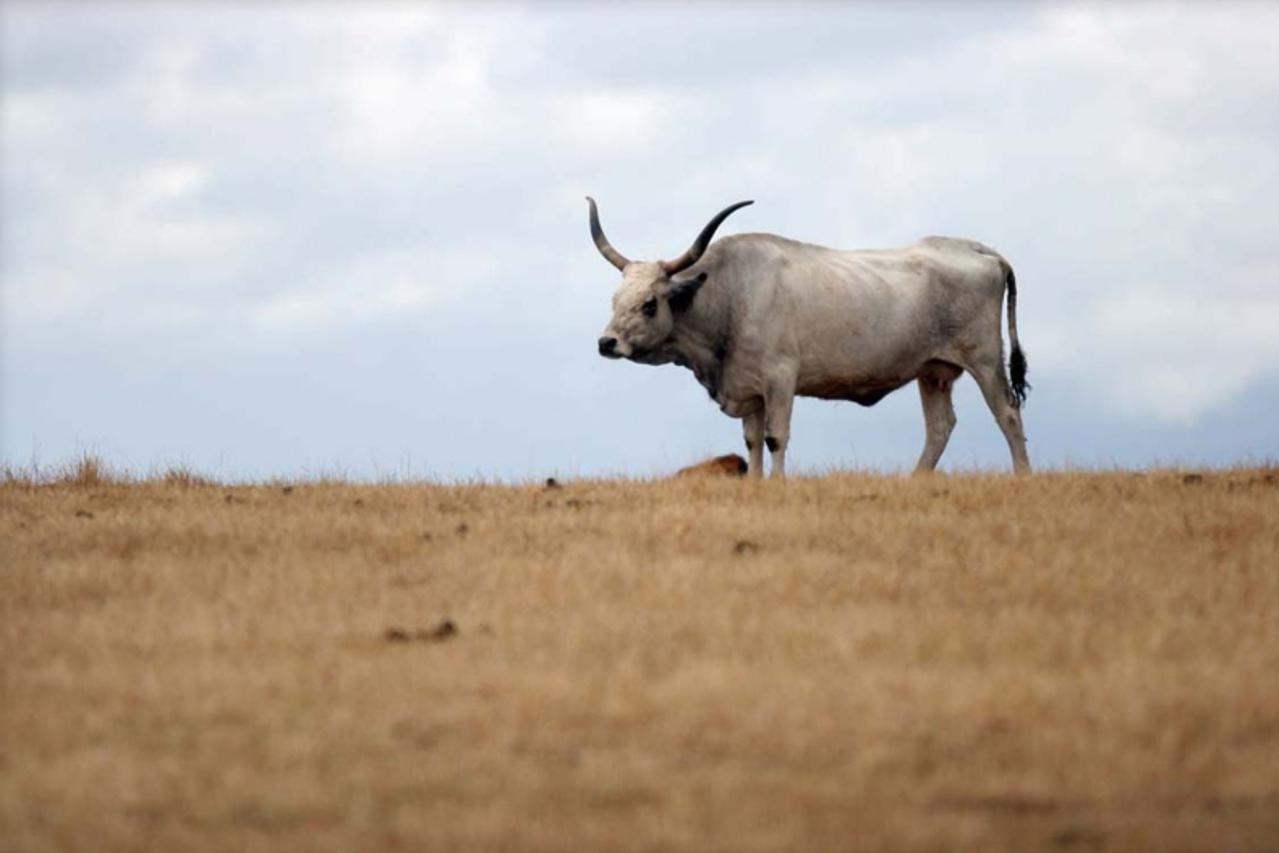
(753, 432)
(988, 372)
(935, 383)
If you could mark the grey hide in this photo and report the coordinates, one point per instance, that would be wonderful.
(759, 319)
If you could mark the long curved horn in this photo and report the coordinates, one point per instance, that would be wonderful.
(610, 254)
(703, 240)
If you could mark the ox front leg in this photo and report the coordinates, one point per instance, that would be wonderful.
(778, 402)
(753, 432)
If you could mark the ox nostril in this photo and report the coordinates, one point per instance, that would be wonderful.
(608, 346)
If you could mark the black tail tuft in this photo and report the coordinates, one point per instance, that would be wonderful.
(1017, 367)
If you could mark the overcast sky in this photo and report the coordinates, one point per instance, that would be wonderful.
(292, 239)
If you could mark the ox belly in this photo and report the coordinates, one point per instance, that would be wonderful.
(861, 392)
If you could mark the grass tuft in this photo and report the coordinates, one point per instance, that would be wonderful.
(88, 471)
(184, 478)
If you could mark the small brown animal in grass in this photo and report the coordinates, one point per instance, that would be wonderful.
(731, 465)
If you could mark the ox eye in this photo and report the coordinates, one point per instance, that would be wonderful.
(650, 307)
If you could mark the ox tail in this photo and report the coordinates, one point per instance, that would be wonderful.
(1016, 358)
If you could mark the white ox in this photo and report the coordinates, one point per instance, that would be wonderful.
(760, 318)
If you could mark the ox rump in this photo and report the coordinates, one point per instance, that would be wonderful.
(760, 319)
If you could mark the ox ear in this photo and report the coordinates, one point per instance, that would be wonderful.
(681, 293)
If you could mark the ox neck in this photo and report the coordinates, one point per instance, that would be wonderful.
(701, 332)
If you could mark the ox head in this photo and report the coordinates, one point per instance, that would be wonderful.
(651, 292)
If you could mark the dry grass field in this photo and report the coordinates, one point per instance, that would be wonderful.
(1063, 661)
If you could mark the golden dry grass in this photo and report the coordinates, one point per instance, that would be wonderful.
(1062, 661)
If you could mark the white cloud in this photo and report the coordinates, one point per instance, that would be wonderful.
(394, 110)
(615, 121)
(1179, 356)
(170, 181)
(308, 172)
(397, 285)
